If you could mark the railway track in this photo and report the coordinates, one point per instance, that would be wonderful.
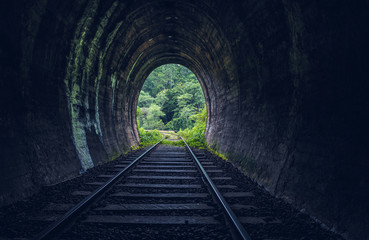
(162, 196)
(165, 193)
(162, 193)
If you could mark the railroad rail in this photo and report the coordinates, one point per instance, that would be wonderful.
(141, 173)
(235, 223)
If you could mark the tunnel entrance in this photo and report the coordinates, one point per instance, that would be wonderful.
(170, 97)
(171, 101)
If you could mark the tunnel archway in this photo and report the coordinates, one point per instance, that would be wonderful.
(286, 92)
(169, 98)
(175, 42)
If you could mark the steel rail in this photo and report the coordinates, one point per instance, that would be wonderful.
(230, 214)
(67, 217)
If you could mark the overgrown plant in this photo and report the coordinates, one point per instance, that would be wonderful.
(173, 143)
(195, 137)
(170, 95)
(148, 137)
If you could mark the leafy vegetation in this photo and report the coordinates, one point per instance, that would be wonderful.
(195, 137)
(148, 137)
(173, 143)
(172, 99)
(170, 96)
(222, 156)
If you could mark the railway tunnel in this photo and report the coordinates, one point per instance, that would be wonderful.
(285, 84)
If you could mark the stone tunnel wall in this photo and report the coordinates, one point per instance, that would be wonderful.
(285, 83)
(301, 130)
(35, 139)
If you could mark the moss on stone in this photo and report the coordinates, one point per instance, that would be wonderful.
(76, 86)
(222, 156)
(114, 156)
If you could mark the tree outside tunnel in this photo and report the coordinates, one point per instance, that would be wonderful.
(172, 99)
(169, 99)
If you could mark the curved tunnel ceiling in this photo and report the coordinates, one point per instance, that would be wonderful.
(126, 48)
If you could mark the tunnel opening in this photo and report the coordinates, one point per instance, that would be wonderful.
(171, 103)
(177, 94)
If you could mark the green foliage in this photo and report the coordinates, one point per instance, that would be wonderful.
(145, 99)
(172, 99)
(222, 156)
(149, 137)
(161, 98)
(173, 143)
(149, 118)
(195, 137)
(170, 96)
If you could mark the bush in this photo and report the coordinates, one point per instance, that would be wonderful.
(149, 137)
(195, 137)
(173, 143)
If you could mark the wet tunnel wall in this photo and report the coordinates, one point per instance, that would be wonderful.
(285, 82)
